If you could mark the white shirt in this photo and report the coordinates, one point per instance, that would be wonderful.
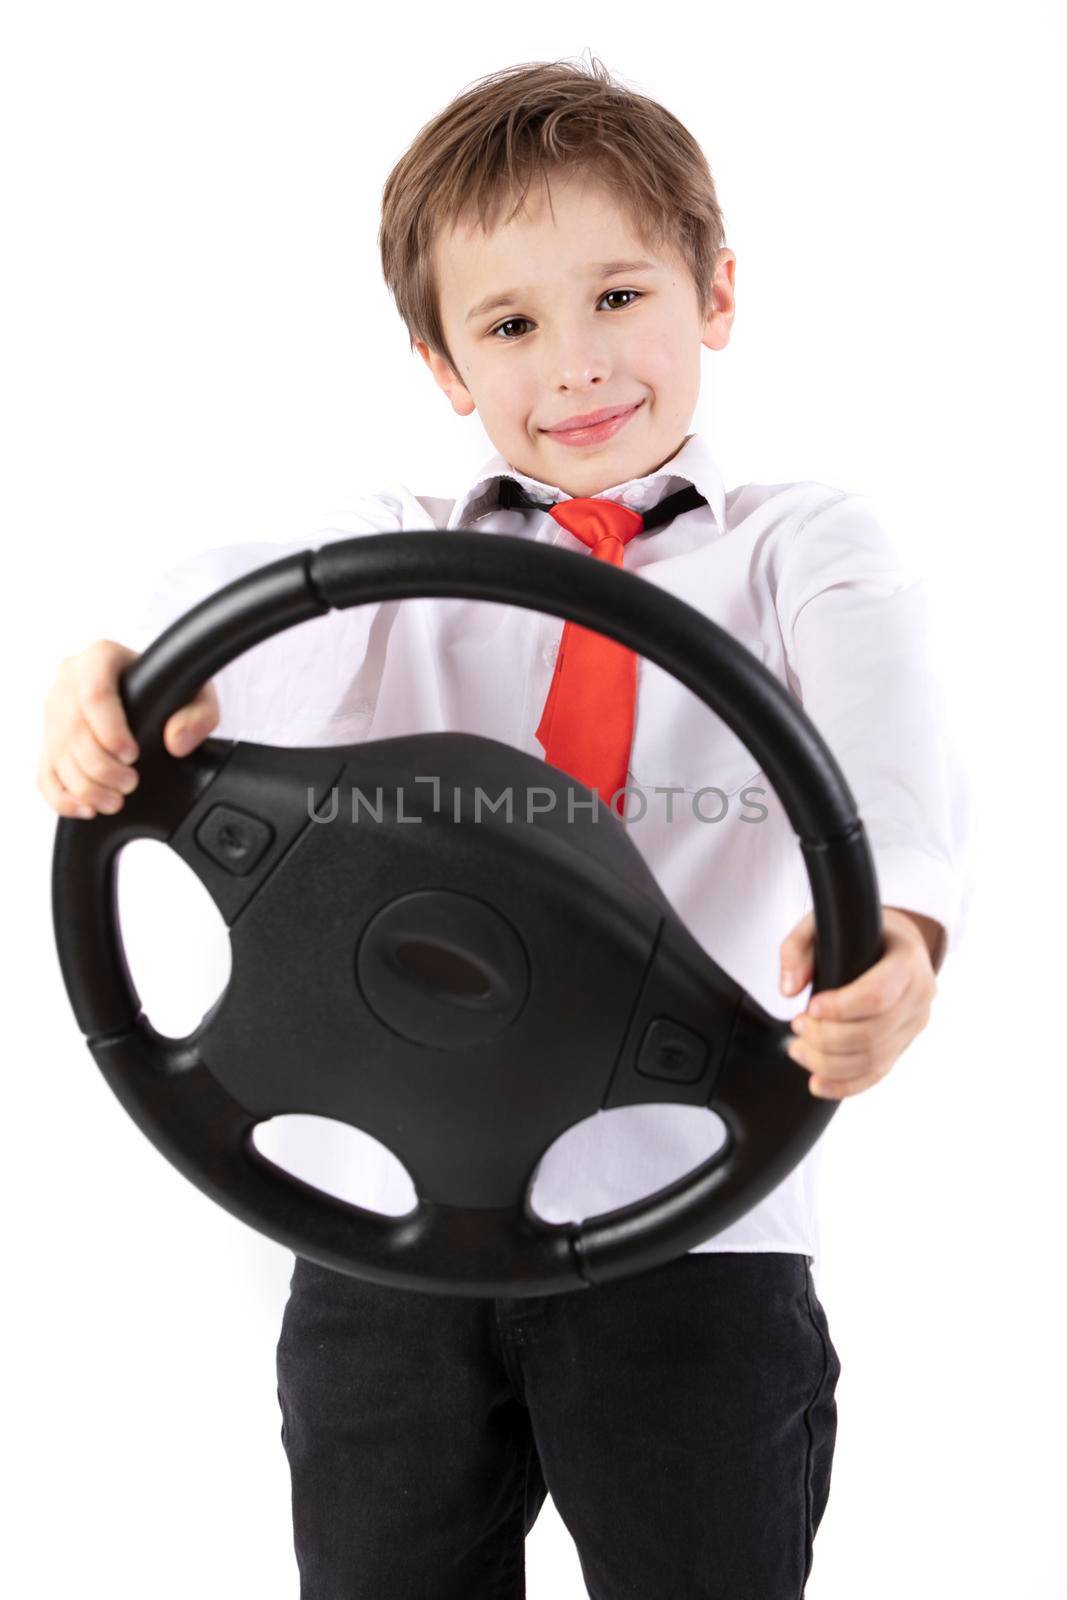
(804, 576)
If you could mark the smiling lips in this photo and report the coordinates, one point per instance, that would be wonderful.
(591, 419)
(610, 420)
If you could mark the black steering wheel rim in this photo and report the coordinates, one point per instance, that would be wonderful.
(145, 1070)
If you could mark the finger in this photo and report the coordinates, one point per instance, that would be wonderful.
(81, 786)
(191, 724)
(869, 1064)
(828, 1085)
(797, 955)
(825, 1089)
(877, 990)
(837, 1069)
(58, 797)
(101, 704)
(99, 765)
(848, 1038)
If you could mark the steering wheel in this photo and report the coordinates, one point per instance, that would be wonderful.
(411, 980)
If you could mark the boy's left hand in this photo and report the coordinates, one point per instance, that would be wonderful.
(849, 1038)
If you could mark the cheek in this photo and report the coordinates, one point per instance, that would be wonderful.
(663, 356)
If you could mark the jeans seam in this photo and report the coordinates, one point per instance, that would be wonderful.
(809, 1531)
(512, 1366)
(513, 1576)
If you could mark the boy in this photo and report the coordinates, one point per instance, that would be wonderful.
(684, 1418)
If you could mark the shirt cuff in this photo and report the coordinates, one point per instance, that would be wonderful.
(917, 881)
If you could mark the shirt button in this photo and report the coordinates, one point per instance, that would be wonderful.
(551, 651)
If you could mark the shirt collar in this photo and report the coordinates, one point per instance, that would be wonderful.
(691, 463)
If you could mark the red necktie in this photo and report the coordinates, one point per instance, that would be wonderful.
(587, 723)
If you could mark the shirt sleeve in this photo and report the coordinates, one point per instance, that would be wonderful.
(857, 631)
(299, 678)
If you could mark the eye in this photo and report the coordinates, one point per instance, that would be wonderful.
(508, 321)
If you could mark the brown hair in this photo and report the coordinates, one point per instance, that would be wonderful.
(528, 120)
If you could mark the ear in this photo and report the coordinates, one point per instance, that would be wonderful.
(446, 379)
(720, 318)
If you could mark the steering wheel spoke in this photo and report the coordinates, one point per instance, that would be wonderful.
(247, 812)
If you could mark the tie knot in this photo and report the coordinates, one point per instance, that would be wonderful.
(603, 525)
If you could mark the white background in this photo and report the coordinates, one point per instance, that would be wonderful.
(198, 348)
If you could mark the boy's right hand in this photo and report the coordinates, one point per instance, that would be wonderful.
(86, 761)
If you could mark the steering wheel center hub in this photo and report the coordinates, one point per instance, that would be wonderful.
(442, 968)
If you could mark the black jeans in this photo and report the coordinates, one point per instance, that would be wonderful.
(682, 1419)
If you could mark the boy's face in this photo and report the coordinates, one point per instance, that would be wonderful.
(571, 340)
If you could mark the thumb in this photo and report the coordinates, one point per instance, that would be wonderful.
(798, 956)
(191, 725)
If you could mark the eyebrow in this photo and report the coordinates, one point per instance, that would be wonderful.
(601, 269)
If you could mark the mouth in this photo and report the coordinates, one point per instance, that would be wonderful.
(598, 432)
